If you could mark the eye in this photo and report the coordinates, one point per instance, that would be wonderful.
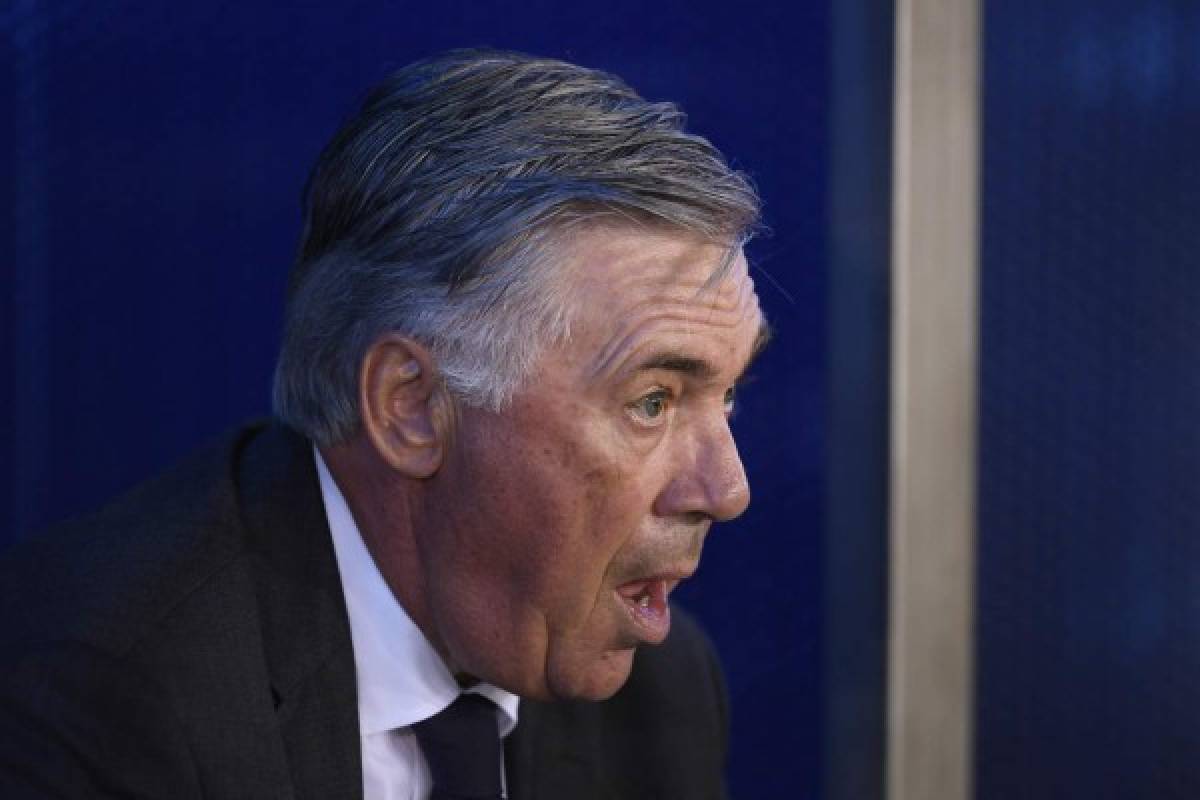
(651, 408)
(730, 400)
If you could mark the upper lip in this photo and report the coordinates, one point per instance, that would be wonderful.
(673, 576)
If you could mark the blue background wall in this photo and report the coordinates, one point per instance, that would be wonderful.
(150, 171)
(1089, 560)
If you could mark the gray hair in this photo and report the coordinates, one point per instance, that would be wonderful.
(435, 212)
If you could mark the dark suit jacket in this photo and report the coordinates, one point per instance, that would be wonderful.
(191, 640)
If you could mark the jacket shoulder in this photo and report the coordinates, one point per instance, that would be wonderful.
(105, 578)
(132, 645)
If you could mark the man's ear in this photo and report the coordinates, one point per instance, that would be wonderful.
(403, 404)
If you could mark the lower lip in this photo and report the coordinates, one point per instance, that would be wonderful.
(652, 621)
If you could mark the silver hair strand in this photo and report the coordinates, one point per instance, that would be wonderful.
(439, 209)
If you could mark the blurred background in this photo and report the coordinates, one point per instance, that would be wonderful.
(151, 162)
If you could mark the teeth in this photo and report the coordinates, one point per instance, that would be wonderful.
(644, 601)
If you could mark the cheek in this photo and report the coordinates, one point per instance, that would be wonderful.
(583, 521)
(574, 470)
(559, 505)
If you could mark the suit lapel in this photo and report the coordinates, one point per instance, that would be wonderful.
(306, 634)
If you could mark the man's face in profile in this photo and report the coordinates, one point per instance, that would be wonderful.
(572, 513)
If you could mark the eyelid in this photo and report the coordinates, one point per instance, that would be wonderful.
(668, 397)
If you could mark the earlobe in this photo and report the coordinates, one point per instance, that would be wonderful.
(400, 397)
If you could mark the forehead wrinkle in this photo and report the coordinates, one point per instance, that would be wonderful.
(622, 348)
(649, 279)
(721, 314)
(744, 298)
(674, 267)
(678, 299)
(653, 290)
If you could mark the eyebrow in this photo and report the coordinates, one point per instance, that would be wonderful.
(698, 368)
(675, 362)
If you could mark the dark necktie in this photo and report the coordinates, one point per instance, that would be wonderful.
(462, 746)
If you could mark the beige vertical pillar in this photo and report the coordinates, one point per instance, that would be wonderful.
(935, 264)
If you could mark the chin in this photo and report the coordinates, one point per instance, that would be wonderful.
(598, 680)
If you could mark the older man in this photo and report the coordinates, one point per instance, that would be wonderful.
(514, 330)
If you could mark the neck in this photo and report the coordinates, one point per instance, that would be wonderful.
(385, 505)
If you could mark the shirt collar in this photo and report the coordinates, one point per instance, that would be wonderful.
(401, 678)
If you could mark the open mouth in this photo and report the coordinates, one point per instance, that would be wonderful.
(648, 607)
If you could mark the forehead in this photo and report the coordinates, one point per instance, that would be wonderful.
(639, 288)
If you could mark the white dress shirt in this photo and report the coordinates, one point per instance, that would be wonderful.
(401, 678)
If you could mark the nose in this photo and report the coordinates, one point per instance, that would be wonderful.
(709, 478)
